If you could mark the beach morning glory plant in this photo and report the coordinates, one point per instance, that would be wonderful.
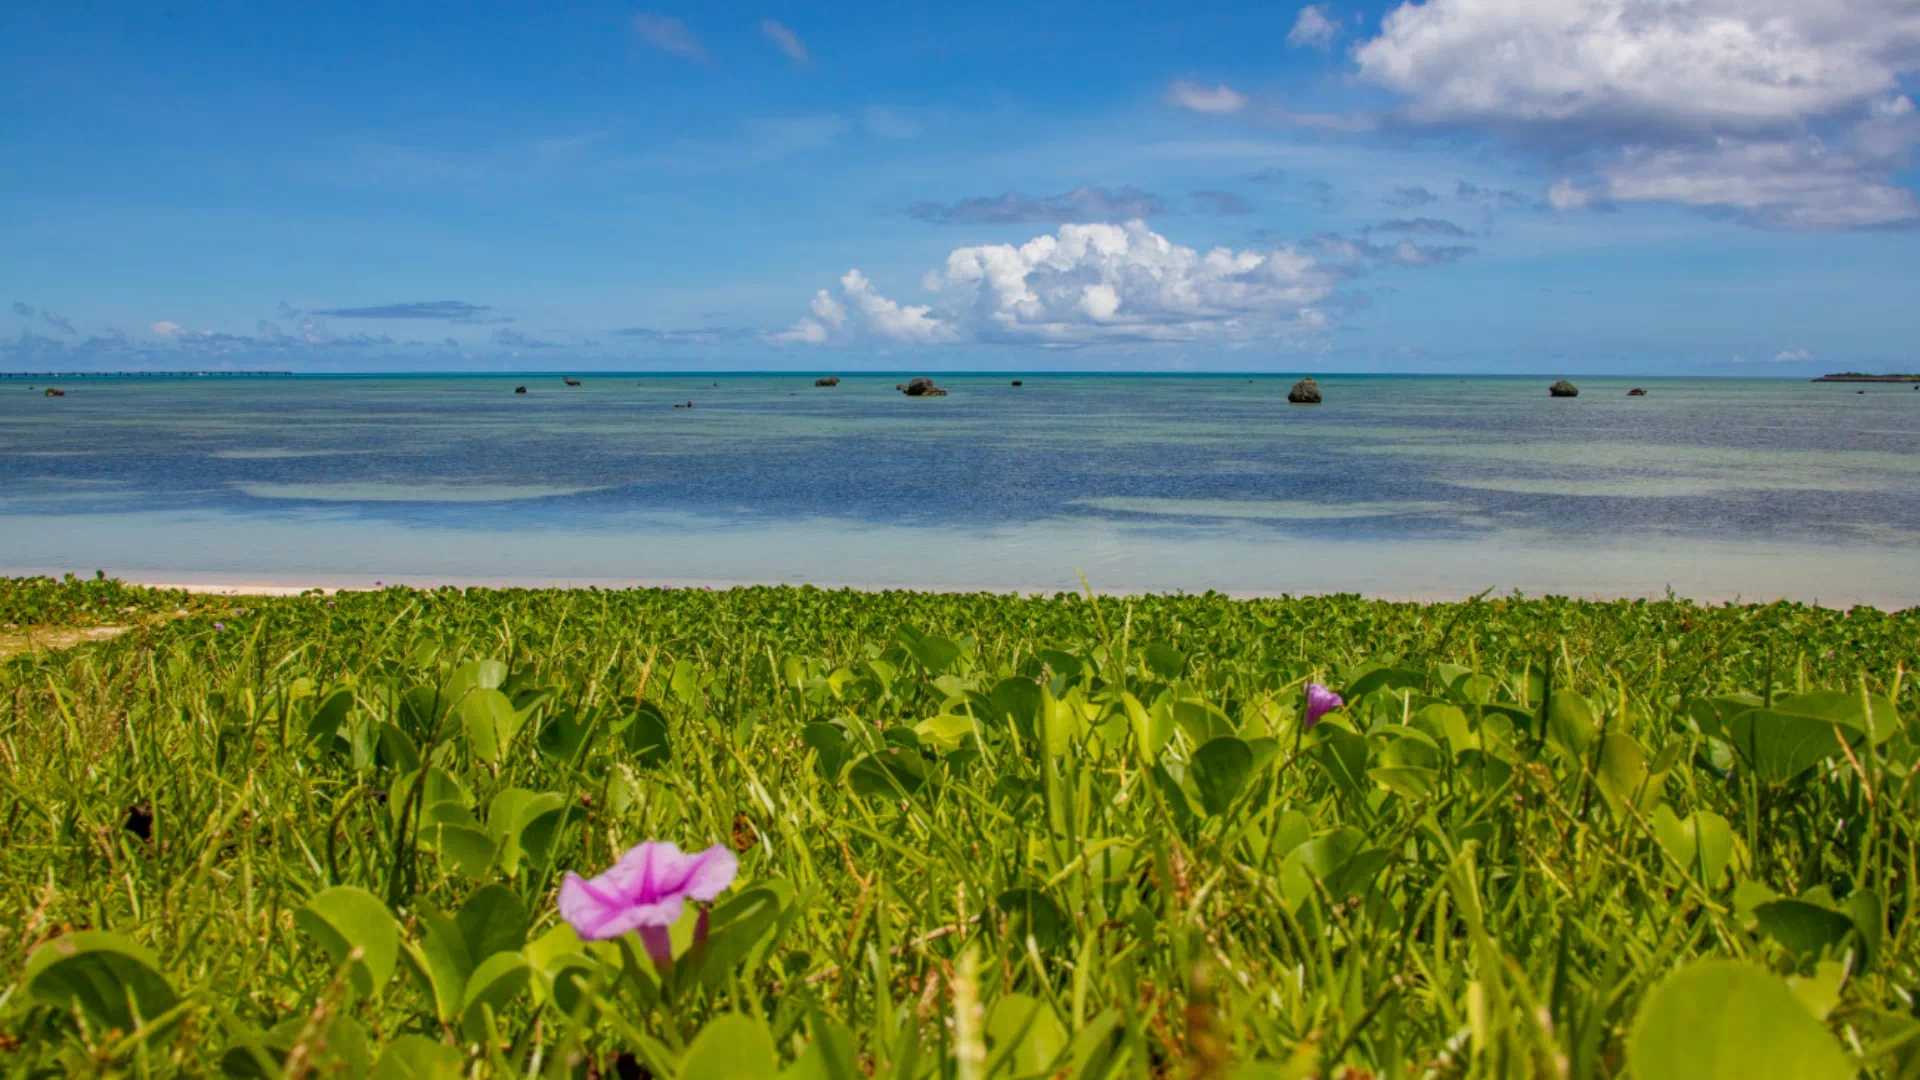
(644, 891)
(1320, 702)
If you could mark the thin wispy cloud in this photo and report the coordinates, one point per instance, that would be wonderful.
(1014, 208)
(1422, 226)
(419, 309)
(63, 325)
(22, 309)
(1224, 203)
(668, 34)
(787, 41)
(1219, 100)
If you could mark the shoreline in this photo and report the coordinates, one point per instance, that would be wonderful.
(216, 586)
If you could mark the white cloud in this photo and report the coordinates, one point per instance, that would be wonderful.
(166, 328)
(1087, 284)
(787, 40)
(1792, 356)
(670, 34)
(1313, 28)
(1211, 100)
(1566, 195)
(1787, 113)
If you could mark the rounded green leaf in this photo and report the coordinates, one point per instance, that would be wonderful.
(1220, 769)
(492, 986)
(357, 930)
(732, 1045)
(113, 980)
(1721, 1020)
(1024, 1031)
(416, 1057)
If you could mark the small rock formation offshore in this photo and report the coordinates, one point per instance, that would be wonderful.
(921, 386)
(830, 380)
(570, 380)
(54, 392)
(1563, 388)
(519, 389)
(1305, 392)
(1636, 392)
(1017, 382)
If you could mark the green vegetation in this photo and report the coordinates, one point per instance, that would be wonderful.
(979, 836)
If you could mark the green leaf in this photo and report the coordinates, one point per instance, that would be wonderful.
(442, 962)
(947, 731)
(494, 983)
(1024, 1032)
(1406, 781)
(492, 919)
(107, 976)
(1032, 913)
(328, 715)
(887, 773)
(357, 931)
(1017, 699)
(1805, 929)
(1167, 663)
(1220, 769)
(1722, 1020)
(1624, 778)
(416, 1057)
(646, 736)
(1344, 756)
(829, 743)
(1849, 709)
(936, 654)
(1703, 842)
(730, 1047)
(1780, 745)
(1384, 679)
(1570, 721)
(491, 722)
(477, 675)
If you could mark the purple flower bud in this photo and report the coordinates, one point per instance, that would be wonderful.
(645, 891)
(1320, 702)
(219, 626)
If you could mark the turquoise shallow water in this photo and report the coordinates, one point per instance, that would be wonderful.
(1407, 486)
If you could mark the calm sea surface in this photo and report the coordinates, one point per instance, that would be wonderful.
(1397, 485)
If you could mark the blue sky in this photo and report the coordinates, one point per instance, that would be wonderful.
(1704, 186)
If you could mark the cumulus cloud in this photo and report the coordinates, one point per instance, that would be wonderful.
(1221, 202)
(669, 34)
(1313, 28)
(1358, 254)
(1211, 100)
(1014, 208)
(166, 328)
(1792, 356)
(23, 310)
(1785, 113)
(787, 41)
(1566, 195)
(1086, 284)
(456, 310)
(59, 323)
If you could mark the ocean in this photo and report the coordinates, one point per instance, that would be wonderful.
(1397, 486)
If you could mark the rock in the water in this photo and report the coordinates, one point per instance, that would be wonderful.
(1563, 388)
(1017, 382)
(831, 380)
(55, 392)
(570, 380)
(1305, 392)
(1636, 392)
(921, 386)
(519, 389)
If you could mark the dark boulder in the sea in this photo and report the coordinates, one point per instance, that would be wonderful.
(1017, 382)
(55, 392)
(831, 380)
(1563, 388)
(1636, 392)
(921, 386)
(1305, 392)
(570, 380)
(519, 389)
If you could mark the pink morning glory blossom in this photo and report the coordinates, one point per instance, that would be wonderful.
(1320, 702)
(645, 891)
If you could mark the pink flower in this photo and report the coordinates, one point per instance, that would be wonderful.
(1320, 702)
(645, 891)
(219, 626)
